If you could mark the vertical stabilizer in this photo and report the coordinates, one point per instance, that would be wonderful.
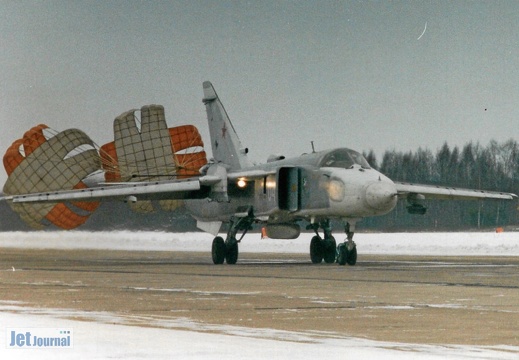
(225, 143)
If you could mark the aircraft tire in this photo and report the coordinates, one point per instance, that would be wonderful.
(329, 251)
(316, 250)
(231, 256)
(218, 250)
(342, 254)
(351, 258)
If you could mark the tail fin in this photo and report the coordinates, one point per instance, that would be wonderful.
(225, 143)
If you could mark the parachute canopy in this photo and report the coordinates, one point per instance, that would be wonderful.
(44, 161)
(153, 153)
(146, 150)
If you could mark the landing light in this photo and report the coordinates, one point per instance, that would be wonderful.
(241, 183)
(336, 190)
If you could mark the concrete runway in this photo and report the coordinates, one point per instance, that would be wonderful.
(448, 300)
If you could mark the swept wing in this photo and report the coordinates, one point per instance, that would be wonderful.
(173, 189)
(417, 191)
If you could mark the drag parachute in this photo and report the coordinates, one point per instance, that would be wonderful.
(45, 161)
(153, 152)
(143, 150)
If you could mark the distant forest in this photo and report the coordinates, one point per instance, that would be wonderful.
(492, 167)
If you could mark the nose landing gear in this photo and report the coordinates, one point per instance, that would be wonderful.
(347, 251)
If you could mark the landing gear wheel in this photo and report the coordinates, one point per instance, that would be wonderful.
(342, 254)
(345, 256)
(218, 250)
(351, 258)
(316, 250)
(329, 250)
(231, 255)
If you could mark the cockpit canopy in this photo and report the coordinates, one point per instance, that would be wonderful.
(343, 158)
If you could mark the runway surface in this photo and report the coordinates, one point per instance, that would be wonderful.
(410, 299)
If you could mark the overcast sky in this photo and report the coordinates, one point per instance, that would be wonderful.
(357, 74)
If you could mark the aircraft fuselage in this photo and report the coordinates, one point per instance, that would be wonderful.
(332, 184)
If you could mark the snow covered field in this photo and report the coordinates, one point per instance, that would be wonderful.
(471, 243)
(110, 336)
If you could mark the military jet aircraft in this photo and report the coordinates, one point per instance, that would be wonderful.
(142, 166)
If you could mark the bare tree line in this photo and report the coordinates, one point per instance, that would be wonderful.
(492, 167)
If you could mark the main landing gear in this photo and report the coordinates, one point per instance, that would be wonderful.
(326, 249)
(227, 250)
(322, 249)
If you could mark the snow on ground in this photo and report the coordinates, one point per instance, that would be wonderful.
(471, 243)
(108, 335)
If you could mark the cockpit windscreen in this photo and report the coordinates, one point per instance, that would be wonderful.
(344, 158)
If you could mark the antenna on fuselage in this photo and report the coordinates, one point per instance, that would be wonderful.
(313, 149)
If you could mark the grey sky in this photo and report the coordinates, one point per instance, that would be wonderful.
(341, 73)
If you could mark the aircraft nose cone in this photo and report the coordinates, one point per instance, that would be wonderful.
(381, 195)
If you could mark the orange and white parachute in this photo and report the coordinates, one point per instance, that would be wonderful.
(46, 161)
(153, 152)
(187, 146)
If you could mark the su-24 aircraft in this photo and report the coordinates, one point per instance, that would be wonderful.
(60, 179)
